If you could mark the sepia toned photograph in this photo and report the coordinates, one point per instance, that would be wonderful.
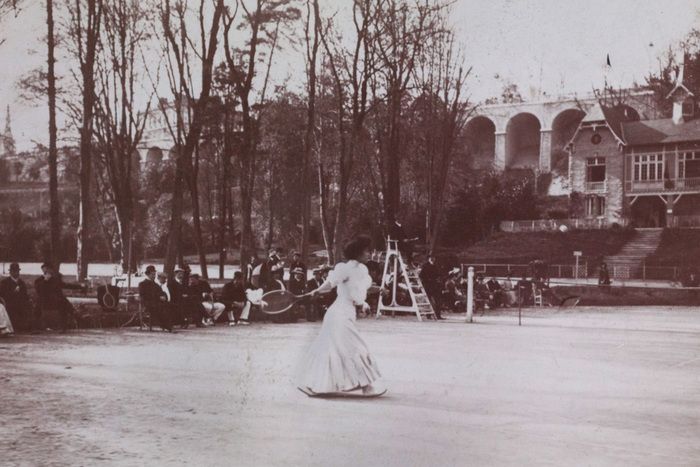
(349, 233)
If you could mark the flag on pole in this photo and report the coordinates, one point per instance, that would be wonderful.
(607, 60)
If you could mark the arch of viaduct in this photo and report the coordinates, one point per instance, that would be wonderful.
(530, 134)
(517, 135)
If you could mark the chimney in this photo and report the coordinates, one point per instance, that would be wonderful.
(683, 99)
(678, 111)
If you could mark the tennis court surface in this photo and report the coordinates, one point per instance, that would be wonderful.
(617, 386)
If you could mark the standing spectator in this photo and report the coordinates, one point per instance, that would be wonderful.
(49, 289)
(201, 294)
(603, 275)
(430, 278)
(234, 298)
(269, 271)
(14, 291)
(154, 300)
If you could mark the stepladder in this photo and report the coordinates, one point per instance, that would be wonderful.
(406, 293)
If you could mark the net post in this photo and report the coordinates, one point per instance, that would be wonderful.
(470, 293)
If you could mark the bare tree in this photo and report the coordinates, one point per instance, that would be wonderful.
(54, 206)
(443, 111)
(312, 31)
(188, 111)
(401, 33)
(84, 32)
(118, 123)
(351, 68)
(7, 8)
(262, 24)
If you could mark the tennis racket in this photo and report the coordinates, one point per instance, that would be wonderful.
(279, 301)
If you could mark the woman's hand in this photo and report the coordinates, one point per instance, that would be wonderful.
(365, 308)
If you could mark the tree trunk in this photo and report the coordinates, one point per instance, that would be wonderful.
(172, 249)
(54, 207)
(196, 214)
(309, 136)
(87, 69)
(197, 226)
(223, 191)
(323, 214)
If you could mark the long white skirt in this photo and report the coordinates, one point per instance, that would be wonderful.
(5, 323)
(339, 358)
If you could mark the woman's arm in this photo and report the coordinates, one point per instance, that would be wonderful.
(326, 287)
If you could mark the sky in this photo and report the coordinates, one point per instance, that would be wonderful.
(559, 46)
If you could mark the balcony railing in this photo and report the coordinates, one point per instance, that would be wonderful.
(596, 187)
(666, 185)
(686, 221)
(545, 225)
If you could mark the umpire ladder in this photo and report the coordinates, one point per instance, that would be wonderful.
(395, 270)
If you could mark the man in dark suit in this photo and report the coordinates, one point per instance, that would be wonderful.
(13, 291)
(270, 270)
(237, 304)
(154, 299)
(430, 277)
(314, 304)
(178, 294)
(49, 290)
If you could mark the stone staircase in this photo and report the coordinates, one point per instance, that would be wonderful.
(627, 262)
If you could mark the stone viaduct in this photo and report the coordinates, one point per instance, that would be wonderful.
(531, 134)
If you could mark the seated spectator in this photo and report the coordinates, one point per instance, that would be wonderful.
(496, 291)
(6, 328)
(510, 295)
(163, 283)
(154, 300)
(179, 297)
(297, 285)
(315, 305)
(199, 289)
(13, 290)
(49, 289)
(234, 298)
(453, 295)
(297, 263)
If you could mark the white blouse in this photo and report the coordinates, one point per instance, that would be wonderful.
(352, 280)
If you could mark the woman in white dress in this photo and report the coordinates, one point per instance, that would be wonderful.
(6, 328)
(339, 360)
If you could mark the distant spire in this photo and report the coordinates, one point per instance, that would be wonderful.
(8, 123)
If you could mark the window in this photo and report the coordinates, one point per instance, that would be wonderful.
(595, 206)
(648, 167)
(688, 108)
(595, 169)
(689, 164)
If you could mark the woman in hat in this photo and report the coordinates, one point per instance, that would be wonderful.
(339, 360)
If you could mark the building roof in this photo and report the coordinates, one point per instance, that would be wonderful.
(614, 117)
(662, 131)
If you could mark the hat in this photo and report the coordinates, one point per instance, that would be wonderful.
(454, 271)
(178, 269)
(47, 265)
(150, 268)
(295, 253)
(298, 271)
(194, 276)
(14, 267)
